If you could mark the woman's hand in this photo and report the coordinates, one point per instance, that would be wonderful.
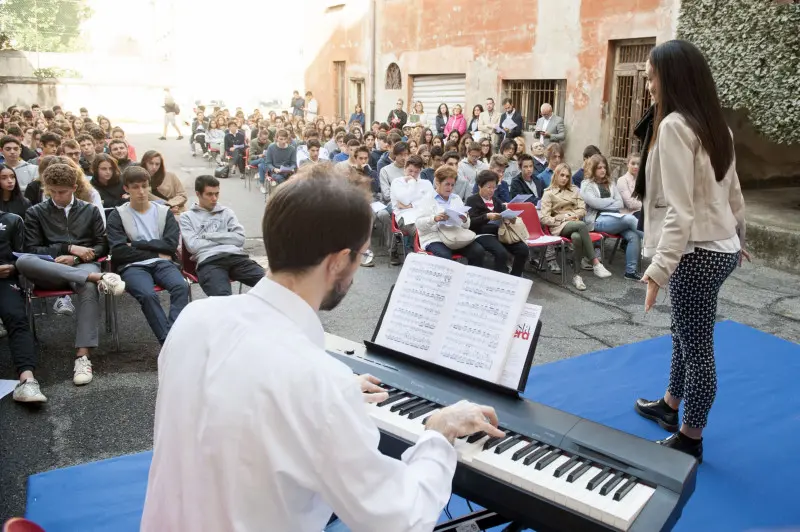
(372, 393)
(744, 255)
(652, 292)
(440, 217)
(494, 216)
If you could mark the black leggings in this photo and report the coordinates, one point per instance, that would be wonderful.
(15, 320)
(474, 252)
(693, 291)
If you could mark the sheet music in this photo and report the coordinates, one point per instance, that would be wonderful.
(420, 304)
(480, 329)
(520, 345)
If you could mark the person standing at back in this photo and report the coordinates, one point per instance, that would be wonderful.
(694, 231)
(171, 111)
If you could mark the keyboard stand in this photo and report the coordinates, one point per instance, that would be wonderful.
(484, 519)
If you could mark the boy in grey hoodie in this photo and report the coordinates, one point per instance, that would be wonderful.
(215, 238)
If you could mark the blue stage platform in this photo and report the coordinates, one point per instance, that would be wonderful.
(748, 479)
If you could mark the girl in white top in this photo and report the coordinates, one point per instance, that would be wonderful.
(627, 182)
(694, 230)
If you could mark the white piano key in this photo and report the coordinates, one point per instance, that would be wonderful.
(579, 499)
(468, 451)
(498, 465)
(628, 509)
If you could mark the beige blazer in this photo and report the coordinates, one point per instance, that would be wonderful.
(172, 189)
(684, 202)
(559, 204)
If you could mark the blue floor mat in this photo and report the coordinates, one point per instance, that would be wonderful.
(748, 479)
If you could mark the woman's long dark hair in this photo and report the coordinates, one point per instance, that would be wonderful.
(16, 193)
(157, 178)
(686, 86)
(105, 158)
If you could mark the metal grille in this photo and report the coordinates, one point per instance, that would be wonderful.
(528, 96)
(634, 53)
(623, 105)
(643, 103)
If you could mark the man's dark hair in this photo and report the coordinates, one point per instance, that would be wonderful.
(507, 100)
(385, 127)
(117, 129)
(83, 110)
(281, 133)
(300, 210)
(393, 138)
(522, 157)
(232, 123)
(361, 149)
(437, 151)
(84, 136)
(49, 137)
(399, 148)
(382, 136)
(338, 130)
(57, 109)
(15, 131)
(97, 134)
(353, 143)
(450, 155)
(115, 141)
(368, 134)
(8, 139)
(48, 114)
(204, 181)
(474, 146)
(313, 143)
(348, 138)
(415, 161)
(310, 133)
(486, 176)
(59, 175)
(135, 174)
(375, 122)
(590, 150)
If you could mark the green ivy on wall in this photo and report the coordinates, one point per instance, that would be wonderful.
(753, 47)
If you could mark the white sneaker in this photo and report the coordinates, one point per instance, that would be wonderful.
(83, 371)
(577, 282)
(63, 306)
(29, 392)
(369, 260)
(554, 267)
(586, 265)
(263, 189)
(111, 283)
(3, 331)
(600, 271)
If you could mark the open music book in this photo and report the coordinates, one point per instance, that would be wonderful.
(471, 320)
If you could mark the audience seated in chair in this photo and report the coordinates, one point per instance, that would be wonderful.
(76, 247)
(143, 236)
(107, 182)
(279, 160)
(485, 219)
(164, 186)
(215, 238)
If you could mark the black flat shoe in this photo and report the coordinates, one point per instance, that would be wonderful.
(659, 412)
(684, 444)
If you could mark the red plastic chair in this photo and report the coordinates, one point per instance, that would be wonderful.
(189, 268)
(418, 249)
(530, 217)
(605, 236)
(19, 524)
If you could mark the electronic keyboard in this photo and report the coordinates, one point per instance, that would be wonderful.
(553, 471)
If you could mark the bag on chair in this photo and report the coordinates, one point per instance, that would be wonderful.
(513, 233)
(455, 237)
(222, 171)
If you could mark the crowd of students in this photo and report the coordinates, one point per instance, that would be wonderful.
(78, 214)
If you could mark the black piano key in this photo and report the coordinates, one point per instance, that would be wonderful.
(598, 478)
(408, 407)
(491, 442)
(627, 487)
(578, 473)
(538, 453)
(393, 399)
(566, 466)
(547, 460)
(525, 450)
(475, 437)
(422, 411)
(609, 486)
(407, 411)
(508, 444)
(400, 404)
(394, 391)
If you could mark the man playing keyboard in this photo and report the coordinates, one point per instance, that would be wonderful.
(258, 428)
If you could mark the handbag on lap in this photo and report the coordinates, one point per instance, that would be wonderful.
(511, 233)
(455, 237)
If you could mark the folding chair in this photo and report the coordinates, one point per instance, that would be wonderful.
(397, 232)
(19, 524)
(418, 249)
(538, 238)
(248, 169)
(189, 269)
(215, 155)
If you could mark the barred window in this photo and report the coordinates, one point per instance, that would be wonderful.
(528, 96)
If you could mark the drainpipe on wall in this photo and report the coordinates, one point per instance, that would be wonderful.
(372, 53)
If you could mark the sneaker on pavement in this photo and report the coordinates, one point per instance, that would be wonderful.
(111, 283)
(162, 138)
(554, 267)
(263, 189)
(63, 306)
(633, 276)
(180, 137)
(29, 392)
(369, 259)
(3, 331)
(83, 371)
(394, 259)
(586, 265)
(577, 282)
(600, 271)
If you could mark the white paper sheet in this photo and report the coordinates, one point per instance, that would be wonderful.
(545, 239)
(508, 213)
(520, 198)
(520, 345)
(612, 214)
(377, 207)
(6, 387)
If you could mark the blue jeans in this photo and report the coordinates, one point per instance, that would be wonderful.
(262, 169)
(140, 281)
(626, 228)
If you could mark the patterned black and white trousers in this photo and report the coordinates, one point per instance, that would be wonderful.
(693, 289)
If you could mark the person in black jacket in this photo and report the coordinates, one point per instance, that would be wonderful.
(12, 311)
(235, 145)
(644, 132)
(107, 182)
(397, 117)
(11, 198)
(485, 219)
(526, 182)
(143, 237)
(64, 255)
(511, 120)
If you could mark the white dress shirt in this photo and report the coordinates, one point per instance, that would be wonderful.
(415, 192)
(258, 428)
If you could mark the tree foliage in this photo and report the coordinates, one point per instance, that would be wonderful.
(753, 47)
(42, 25)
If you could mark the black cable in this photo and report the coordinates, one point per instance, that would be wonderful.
(469, 505)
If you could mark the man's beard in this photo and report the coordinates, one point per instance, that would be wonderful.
(335, 296)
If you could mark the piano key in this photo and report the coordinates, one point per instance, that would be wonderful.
(548, 459)
(535, 455)
(471, 447)
(572, 462)
(422, 411)
(578, 496)
(494, 441)
(576, 474)
(599, 478)
(508, 444)
(609, 486)
(625, 489)
(393, 399)
(627, 510)
(525, 450)
(400, 404)
(409, 407)
(475, 437)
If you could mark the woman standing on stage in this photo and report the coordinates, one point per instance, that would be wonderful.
(694, 230)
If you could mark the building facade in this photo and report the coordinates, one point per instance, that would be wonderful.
(585, 57)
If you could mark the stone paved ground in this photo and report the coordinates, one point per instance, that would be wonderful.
(114, 414)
